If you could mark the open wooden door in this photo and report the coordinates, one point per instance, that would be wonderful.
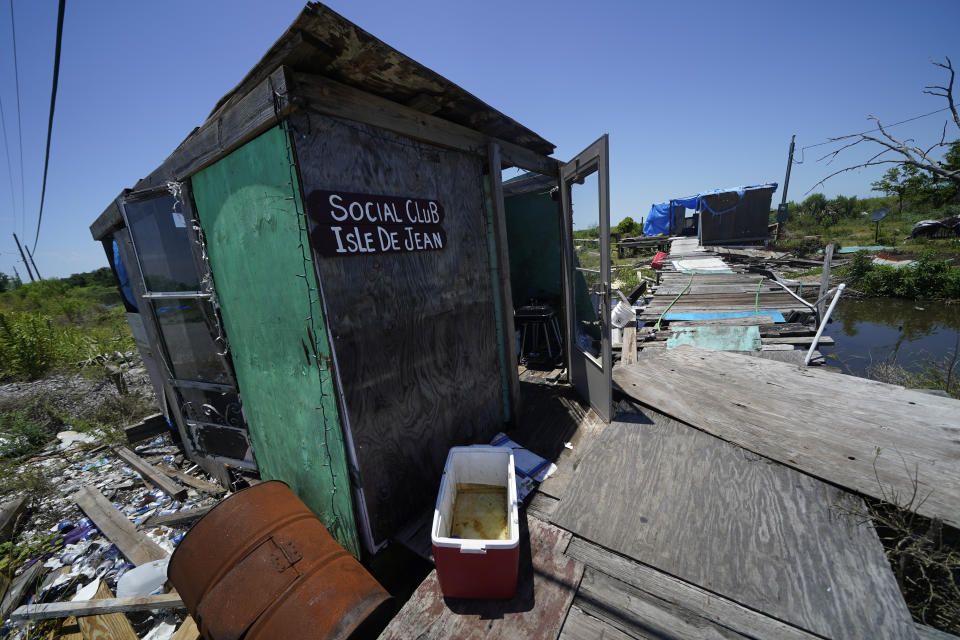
(585, 194)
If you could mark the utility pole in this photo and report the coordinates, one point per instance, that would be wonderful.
(782, 209)
(29, 272)
(32, 261)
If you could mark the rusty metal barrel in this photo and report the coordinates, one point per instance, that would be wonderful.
(261, 566)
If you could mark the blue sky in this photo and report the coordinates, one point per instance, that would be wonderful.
(694, 95)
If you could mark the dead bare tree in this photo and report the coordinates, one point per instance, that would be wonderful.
(909, 153)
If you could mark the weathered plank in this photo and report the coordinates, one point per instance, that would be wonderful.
(641, 615)
(151, 474)
(105, 626)
(542, 506)
(929, 633)
(186, 478)
(9, 514)
(404, 384)
(741, 322)
(187, 515)
(70, 630)
(138, 548)
(580, 625)
(720, 610)
(415, 536)
(628, 349)
(504, 289)
(545, 589)
(187, 631)
(805, 340)
(335, 99)
(874, 438)
(760, 534)
(20, 587)
(96, 607)
(152, 425)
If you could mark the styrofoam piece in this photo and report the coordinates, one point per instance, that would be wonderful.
(143, 580)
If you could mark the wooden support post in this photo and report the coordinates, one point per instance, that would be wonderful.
(825, 278)
(503, 269)
(628, 349)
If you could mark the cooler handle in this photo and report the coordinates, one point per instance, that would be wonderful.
(473, 547)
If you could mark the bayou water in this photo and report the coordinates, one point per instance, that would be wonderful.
(909, 333)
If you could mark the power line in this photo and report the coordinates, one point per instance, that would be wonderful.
(6, 149)
(819, 144)
(16, 75)
(53, 103)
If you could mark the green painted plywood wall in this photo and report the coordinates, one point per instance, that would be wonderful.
(250, 209)
(533, 235)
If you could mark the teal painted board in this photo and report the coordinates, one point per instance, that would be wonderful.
(250, 209)
(533, 237)
(777, 315)
(719, 338)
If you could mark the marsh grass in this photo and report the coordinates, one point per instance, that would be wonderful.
(51, 326)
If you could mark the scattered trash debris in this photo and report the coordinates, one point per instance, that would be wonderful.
(75, 554)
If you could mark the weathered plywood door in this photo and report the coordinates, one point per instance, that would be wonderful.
(410, 304)
(585, 194)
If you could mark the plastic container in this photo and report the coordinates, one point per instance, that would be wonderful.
(468, 567)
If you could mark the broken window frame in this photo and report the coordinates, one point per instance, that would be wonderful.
(191, 426)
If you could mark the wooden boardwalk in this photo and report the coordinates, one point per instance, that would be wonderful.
(698, 288)
(727, 506)
(653, 529)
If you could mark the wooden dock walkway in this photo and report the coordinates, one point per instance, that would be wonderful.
(705, 300)
(725, 500)
(653, 529)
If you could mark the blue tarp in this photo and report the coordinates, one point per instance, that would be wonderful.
(122, 276)
(658, 220)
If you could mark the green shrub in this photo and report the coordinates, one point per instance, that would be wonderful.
(925, 278)
(29, 344)
(20, 434)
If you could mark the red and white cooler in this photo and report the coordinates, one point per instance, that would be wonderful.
(476, 568)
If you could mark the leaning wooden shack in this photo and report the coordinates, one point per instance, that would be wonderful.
(319, 276)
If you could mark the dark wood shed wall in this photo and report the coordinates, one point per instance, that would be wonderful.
(414, 333)
(746, 223)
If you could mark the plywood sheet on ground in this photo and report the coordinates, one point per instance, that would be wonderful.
(761, 534)
(878, 439)
(546, 586)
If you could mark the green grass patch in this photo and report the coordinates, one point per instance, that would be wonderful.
(51, 325)
(928, 277)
